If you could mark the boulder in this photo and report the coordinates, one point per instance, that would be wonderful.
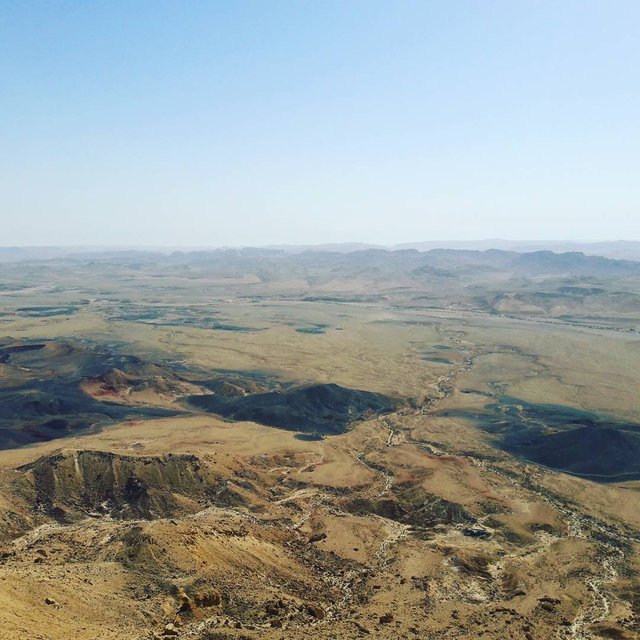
(316, 611)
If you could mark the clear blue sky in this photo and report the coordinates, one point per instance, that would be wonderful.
(231, 123)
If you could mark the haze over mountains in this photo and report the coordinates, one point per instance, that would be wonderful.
(619, 249)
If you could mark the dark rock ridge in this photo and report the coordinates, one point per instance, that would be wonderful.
(73, 484)
(579, 442)
(595, 452)
(319, 408)
(412, 505)
(39, 411)
(41, 396)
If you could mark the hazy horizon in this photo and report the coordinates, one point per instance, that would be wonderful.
(292, 123)
(452, 241)
(319, 319)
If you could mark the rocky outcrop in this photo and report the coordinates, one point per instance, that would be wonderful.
(74, 484)
(319, 408)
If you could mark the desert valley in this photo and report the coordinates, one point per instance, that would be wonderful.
(368, 444)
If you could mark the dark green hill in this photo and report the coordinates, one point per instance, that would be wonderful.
(319, 408)
(579, 442)
(595, 452)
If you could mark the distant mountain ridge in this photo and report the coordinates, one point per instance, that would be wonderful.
(618, 250)
(266, 263)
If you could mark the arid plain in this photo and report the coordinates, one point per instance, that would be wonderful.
(375, 444)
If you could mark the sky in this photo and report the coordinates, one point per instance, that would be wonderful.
(245, 122)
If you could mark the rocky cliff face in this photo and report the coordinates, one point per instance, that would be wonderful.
(73, 484)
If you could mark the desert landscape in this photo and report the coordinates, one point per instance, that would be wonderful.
(271, 444)
(320, 320)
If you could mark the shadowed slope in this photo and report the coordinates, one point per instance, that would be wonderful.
(318, 408)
